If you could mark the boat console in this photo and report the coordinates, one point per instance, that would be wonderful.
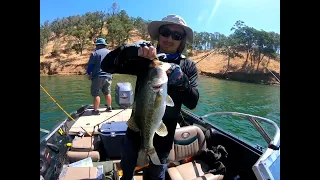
(267, 167)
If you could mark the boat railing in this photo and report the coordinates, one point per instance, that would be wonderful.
(267, 166)
(44, 131)
(273, 143)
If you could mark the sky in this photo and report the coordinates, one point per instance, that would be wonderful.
(201, 15)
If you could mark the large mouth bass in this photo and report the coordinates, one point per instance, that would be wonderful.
(148, 109)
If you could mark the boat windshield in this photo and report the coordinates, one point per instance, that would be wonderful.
(257, 131)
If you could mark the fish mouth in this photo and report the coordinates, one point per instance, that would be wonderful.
(156, 87)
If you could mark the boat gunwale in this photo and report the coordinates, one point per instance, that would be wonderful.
(55, 128)
(199, 120)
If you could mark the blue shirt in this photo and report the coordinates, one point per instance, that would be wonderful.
(95, 61)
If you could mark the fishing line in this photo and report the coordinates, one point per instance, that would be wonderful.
(56, 102)
(205, 56)
(61, 107)
(113, 115)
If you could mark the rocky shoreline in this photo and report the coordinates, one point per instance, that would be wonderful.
(255, 78)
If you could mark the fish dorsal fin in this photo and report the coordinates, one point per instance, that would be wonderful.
(132, 125)
(162, 130)
(169, 101)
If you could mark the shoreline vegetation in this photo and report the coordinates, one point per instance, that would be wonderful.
(244, 55)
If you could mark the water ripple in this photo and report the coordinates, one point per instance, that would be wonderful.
(215, 95)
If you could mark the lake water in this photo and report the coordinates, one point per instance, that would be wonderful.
(71, 92)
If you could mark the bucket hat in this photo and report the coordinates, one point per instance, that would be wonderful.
(100, 41)
(153, 27)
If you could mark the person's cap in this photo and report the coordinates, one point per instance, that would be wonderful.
(100, 41)
(153, 27)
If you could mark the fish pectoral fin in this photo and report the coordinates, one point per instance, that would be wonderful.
(169, 101)
(132, 125)
(162, 130)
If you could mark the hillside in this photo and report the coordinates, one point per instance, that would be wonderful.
(68, 63)
(214, 65)
(66, 43)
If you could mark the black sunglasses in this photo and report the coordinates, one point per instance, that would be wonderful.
(175, 35)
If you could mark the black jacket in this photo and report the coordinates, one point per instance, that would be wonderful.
(126, 61)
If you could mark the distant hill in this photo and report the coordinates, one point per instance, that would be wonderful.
(66, 44)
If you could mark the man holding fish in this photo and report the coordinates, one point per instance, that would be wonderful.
(166, 79)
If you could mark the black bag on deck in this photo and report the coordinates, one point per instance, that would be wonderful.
(109, 169)
(213, 157)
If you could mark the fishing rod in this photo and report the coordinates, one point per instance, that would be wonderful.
(113, 116)
(205, 56)
(56, 102)
(271, 73)
(61, 108)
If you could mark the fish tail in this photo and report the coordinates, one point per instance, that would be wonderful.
(143, 158)
(154, 158)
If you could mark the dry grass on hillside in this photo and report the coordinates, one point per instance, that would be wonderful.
(73, 63)
(217, 63)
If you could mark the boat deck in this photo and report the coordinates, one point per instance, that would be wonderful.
(138, 175)
(87, 121)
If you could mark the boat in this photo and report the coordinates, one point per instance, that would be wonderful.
(86, 146)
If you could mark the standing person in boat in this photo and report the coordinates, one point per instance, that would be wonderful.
(100, 80)
(172, 34)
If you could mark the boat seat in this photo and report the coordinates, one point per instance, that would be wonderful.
(189, 141)
(87, 173)
(83, 144)
(191, 171)
(78, 155)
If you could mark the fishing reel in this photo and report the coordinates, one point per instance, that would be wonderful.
(45, 156)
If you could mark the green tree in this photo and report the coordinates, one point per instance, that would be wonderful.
(45, 35)
(229, 46)
(81, 32)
